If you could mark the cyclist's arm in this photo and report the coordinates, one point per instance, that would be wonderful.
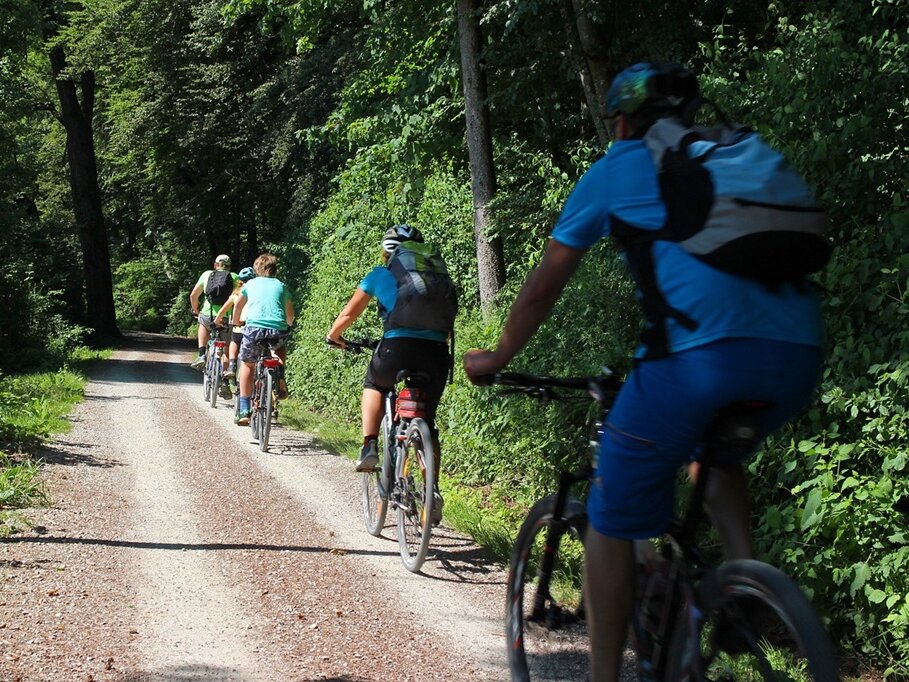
(536, 299)
(228, 305)
(194, 298)
(354, 308)
(238, 308)
(289, 313)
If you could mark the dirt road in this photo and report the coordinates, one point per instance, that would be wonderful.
(175, 550)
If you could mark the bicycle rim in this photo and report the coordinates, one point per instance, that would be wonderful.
(265, 407)
(545, 629)
(414, 495)
(375, 506)
(758, 625)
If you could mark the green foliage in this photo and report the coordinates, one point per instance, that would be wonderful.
(837, 481)
(142, 295)
(34, 406)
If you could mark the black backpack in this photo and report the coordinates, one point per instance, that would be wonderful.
(732, 202)
(219, 287)
(426, 297)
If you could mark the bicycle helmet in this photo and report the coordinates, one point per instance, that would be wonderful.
(400, 233)
(246, 274)
(646, 86)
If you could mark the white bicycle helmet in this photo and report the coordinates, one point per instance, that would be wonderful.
(400, 233)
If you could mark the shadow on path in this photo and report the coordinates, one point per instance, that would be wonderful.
(62, 452)
(209, 673)
(187, 546)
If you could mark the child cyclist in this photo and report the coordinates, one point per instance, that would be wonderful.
(269, 309)
(236, 336)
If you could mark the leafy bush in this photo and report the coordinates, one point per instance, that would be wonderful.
(142, 294)
(834, 488)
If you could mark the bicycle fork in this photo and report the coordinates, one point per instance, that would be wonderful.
(543, 598)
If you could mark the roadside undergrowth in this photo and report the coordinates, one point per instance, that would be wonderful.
(33, 407)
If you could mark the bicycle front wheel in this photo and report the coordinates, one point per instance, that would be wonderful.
(545, 628)
(756, 624)
(266, 404)
(374, 485)
(414, 490)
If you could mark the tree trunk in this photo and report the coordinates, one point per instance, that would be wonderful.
(76, 118)
(590, 44)
(490, 261)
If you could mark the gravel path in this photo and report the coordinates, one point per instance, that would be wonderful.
(175, 550)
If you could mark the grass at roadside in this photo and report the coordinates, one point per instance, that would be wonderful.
(33, 407)
(491, 521)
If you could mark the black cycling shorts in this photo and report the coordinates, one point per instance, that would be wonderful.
(416, 355)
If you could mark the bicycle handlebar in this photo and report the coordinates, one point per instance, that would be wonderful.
(602, 388)
(354, 347)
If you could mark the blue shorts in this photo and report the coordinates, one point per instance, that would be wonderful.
(660, 416)
(251, 348)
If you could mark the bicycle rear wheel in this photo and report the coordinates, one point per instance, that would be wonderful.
(215, 384)
(374, 484)
(414, 494)
(757, 625)
(266, 403)
(206, 378)
(545, 628)
(255, 420)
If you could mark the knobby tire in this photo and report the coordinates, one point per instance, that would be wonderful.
(545, 628)
(415, 495)
(767, 629)
(265, 409)
(215, 383)
(375, 506)
(255, 399)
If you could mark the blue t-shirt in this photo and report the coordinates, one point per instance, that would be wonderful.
(266, 297)
(624, 184)
(379, 282)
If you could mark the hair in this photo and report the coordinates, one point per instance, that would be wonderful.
(266, 265)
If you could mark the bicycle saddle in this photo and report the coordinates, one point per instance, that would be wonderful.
(736, 429)
(415, 379)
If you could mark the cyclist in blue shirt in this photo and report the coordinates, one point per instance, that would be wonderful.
(749, 342)
(414, 349)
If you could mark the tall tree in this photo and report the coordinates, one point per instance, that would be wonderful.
(590, 45)
(76, 116)
(491, 262)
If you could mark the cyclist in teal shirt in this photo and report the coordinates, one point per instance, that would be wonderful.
(269, 312)
(750, 342)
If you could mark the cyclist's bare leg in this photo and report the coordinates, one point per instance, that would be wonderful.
(729, 504)
(245, 379)
(371, 409)
(203, 336)
(608, 590)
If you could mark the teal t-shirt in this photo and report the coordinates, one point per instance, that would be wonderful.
(266, 297)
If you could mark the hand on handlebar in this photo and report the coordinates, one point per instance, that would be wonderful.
(480, 364)
(340, 343)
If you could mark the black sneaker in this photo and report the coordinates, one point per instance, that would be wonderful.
(369, 458)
